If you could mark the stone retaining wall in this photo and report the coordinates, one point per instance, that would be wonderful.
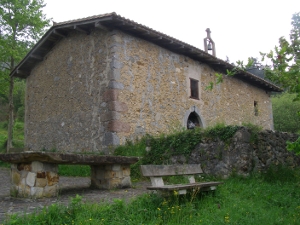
(241, 154)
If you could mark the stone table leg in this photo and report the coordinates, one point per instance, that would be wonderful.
(110, 176)
(34, 180)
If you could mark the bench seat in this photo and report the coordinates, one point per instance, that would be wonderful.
(157, 172)
(175, 187)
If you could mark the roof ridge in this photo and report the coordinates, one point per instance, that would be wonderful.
(85, 18)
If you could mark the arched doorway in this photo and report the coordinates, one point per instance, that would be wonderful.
(193, 121)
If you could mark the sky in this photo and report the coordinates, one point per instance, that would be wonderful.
(239, 28)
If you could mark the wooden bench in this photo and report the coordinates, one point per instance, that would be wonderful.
(35, 174)
(157, 172)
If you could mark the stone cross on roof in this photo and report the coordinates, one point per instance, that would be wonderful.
(208, 32)
(209, 40)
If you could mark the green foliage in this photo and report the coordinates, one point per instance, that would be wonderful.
(4, 86)
(18, 138)
(285, 67)
(74, 170)
(222, 131)
(239, 67)
(219, 78)
(284, 108)
(294, 146)
(19, 99)
(21, 24)
(132, 149)
(163, 147)
(254, 131)
(210, 86)
(3, 125)
(281, 174)
(4, 164)
(285, 59)
(20, 113)
(240, 200)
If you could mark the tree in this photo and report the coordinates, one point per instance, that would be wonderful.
(285, 67)
(22, 22)
(284, 116)
(285, 60)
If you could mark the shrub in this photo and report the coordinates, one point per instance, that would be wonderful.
(163, 147)
(285, 113)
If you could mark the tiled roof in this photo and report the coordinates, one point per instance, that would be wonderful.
(85, 19)
(115, 21)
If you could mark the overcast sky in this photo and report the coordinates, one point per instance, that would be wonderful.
(240, 28)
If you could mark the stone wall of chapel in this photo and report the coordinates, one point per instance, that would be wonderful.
(157, 92)
(65, 95)
(93, 92)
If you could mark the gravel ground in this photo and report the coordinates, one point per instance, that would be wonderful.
(69, 187)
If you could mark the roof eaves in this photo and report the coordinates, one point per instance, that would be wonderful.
(149, 32)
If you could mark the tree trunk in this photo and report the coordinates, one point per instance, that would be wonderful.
(11, 111)
(11, 115)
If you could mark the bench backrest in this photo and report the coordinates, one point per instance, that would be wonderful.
(170, 170)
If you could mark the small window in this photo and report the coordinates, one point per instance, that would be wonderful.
(194, 88)
(255, 108)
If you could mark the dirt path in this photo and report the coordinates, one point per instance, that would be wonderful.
(69, 187)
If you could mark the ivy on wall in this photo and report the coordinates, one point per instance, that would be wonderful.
(164, 147)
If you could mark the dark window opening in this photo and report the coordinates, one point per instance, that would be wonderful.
(194, 88)
(255, 108)
(193, 121)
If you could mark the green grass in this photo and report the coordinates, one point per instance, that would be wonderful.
(254, 200)
(74, 170)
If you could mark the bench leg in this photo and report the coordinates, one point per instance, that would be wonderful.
(34, 180)
(110, 176)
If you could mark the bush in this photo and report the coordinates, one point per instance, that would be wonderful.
(285, 113)
(21, 113)
(163, 147)
(4, 125)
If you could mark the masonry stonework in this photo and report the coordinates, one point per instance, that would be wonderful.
(34, 180)
(242, 154)
(93, 92)
(67, 99)
(157, 92)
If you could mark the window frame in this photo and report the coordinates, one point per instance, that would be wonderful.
(194, 94)
(256, 110)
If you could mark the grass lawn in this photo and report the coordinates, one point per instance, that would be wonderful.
(271, 198)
